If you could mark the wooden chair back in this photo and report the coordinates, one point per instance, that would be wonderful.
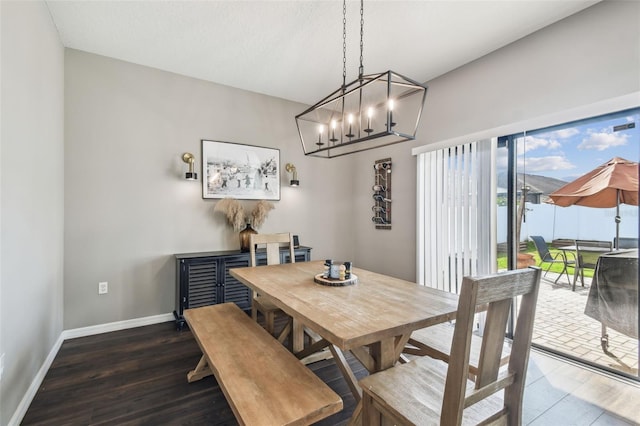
(498, 292)
(272, 242)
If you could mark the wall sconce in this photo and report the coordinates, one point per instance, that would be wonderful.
(188, 158)
(292, 169)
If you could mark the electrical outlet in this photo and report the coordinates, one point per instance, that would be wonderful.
(103, 287)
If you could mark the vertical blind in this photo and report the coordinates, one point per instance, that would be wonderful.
(456, 217)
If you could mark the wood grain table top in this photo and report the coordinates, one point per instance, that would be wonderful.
(378, 307)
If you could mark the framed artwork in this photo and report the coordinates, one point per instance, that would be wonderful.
(240, 171)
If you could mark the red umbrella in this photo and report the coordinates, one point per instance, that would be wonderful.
(608, 185)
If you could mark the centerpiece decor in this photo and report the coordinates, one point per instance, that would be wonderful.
(336, 274)
(241, 221)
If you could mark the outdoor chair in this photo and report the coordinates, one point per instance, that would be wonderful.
(551, 259)
(427, 391)
(261, 304)
(587, 258)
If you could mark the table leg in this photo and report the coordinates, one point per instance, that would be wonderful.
(297, 333)
(382, 355)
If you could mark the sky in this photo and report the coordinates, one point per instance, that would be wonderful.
(569, 151)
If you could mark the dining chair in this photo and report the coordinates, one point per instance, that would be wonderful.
(435, 342)
(588, 258)
(427, 391)
(272, 243)
(547, 257)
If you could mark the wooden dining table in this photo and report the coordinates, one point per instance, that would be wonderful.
(373, 318)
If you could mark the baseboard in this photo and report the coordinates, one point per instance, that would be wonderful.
(22, 408)
(115, 326)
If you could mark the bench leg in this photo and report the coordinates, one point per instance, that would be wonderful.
(201, 371)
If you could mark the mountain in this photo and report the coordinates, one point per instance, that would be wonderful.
(539, 185)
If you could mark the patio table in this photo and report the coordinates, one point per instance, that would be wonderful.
(373, 318)
(583, 248)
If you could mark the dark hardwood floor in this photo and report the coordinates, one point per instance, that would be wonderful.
(139, 376)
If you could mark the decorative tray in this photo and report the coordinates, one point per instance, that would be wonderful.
(334, 282)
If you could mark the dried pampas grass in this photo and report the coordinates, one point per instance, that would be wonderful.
(234, 211)
(260, 213)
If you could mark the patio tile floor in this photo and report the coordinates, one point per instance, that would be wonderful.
(562, 325)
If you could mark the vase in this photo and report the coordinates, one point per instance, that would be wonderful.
(524, 260)
(245, 237)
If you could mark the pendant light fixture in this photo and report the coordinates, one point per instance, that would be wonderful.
(373, 111)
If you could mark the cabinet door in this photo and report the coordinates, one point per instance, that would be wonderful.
(201, 282)
(302, 255)
(234, 290)
(261, 258)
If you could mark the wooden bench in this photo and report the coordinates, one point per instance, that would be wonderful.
(263, 382)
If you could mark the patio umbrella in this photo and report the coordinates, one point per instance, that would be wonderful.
(606, 186)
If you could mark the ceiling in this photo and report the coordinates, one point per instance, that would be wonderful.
(293, 49)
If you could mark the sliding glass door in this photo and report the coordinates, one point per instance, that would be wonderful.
(551, 188)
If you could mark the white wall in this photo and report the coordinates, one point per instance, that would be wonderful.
(31, 201)
(586, 58)
(128, 208)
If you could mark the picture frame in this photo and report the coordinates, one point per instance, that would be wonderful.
(240, 171)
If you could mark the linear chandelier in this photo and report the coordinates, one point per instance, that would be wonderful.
(372, 111)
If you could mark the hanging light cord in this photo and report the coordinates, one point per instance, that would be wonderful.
(344, 45)
(361, 69)
(344, 42)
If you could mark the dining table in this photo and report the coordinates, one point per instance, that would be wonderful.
(372, 318)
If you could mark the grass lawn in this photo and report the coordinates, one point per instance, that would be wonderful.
(557, 268)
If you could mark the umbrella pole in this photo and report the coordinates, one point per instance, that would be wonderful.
(617, 241)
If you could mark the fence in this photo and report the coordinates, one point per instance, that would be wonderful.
(575, 222)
